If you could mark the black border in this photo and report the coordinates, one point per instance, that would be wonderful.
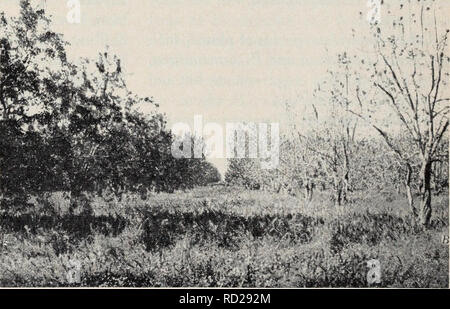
(165, 298)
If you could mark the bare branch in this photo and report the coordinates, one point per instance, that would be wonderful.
(440, 134)
(385, 136)
(398, 111)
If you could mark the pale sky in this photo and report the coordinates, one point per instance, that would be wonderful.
(233, 60)
(226, 60)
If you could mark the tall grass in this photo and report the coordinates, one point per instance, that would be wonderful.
(223, 237)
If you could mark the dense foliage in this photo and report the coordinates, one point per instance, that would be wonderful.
(76, 127)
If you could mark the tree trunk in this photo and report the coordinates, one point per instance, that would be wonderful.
(346, 176)
(309, 189)
(345, 187)
(79, 201)
(4, 106)
(437, 177)
(409, 190)
(75, 199)
(337, 193)
(311, 192)
(425, 192)
(338, 197)
(74, 202)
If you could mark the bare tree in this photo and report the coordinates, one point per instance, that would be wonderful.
(331, 139)
(408, 79)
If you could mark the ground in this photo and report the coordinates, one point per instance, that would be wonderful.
(224, 237)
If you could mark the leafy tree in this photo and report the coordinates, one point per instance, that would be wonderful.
(30, 57)
(76, 127)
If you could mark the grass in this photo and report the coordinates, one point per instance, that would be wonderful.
(223, 237)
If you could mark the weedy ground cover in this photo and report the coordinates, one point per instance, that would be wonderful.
(223, 237)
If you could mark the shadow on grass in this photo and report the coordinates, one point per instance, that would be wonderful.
(163, 228)
(77, 226)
